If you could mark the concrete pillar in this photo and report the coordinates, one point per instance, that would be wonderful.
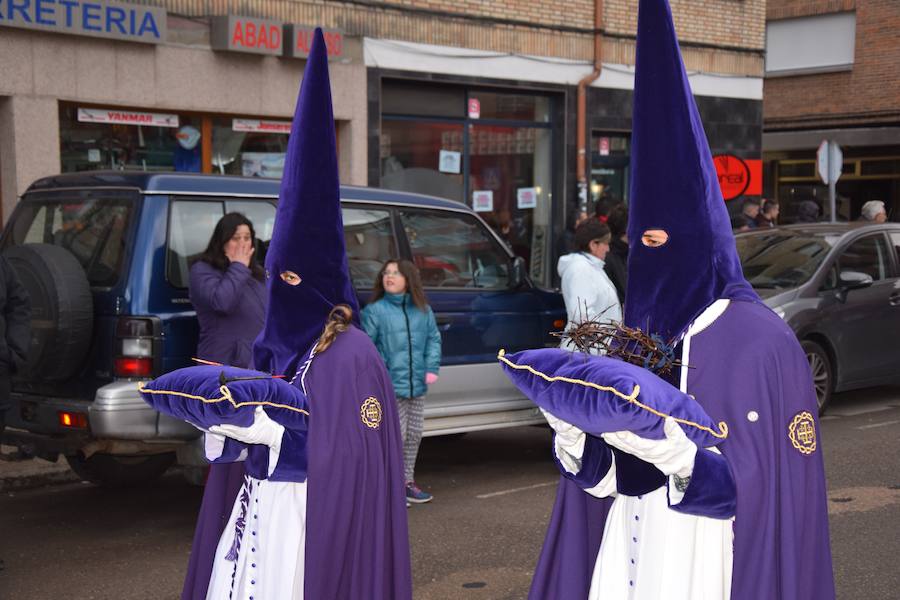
(29, 145)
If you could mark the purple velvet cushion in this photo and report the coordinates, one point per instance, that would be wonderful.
(216, 395)
(598, 395)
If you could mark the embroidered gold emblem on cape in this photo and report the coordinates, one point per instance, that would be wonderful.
(370, 412)
(802, 432)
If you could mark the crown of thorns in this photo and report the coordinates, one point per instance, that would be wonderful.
(590, 334)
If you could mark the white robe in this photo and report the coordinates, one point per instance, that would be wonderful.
(271, 557)
(649, 551)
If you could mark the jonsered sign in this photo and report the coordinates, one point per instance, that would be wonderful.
(129, 22)
(247, 34)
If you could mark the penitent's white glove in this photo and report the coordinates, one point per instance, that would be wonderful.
(568, 437)
(263, 430)
(673, 455)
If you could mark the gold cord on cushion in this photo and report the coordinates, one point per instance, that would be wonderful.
(632, 397)
(226, 395)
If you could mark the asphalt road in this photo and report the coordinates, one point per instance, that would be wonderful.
(479, 539)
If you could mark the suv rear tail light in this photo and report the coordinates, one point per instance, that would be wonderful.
(134, 367)
(135, 344)
(72, 419)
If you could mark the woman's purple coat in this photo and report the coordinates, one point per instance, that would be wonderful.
(231, 308)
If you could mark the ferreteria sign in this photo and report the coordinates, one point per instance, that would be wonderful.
(129, 22)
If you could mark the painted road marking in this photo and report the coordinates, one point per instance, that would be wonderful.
(518, 489)
(874, 425)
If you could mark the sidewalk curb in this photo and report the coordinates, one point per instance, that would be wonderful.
(27, 482)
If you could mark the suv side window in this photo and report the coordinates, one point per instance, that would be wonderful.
(191, 223)
(867, 255)
(370, 242)
(455, 250)
(90, 225)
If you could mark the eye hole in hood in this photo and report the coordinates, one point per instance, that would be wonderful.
(290, 278)
(654, 238)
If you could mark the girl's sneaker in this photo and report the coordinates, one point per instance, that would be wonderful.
(416, 495)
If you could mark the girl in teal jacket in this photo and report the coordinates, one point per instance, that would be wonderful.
(403, 328)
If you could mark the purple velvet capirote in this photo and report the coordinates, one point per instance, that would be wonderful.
(748, 369)
(356, 538)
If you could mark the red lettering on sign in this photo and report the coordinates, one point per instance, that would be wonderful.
(274, 37)
(334, 41)
(237, 36)
(303, 41)
(734, 175)
(250, 33)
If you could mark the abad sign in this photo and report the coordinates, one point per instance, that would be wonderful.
(246, 34)
(129, 22)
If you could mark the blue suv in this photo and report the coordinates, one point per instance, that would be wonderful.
(105, 257)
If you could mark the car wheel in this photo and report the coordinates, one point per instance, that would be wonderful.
(822, 372)
(120, 471)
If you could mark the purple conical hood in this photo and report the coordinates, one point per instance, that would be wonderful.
(674, 187)
(308, 238)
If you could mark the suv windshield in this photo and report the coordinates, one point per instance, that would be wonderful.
(91, 225)
(780, 259)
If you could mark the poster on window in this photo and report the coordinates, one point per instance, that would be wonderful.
(483, 201)
(262, 164)
(526, 198)
(449, 161)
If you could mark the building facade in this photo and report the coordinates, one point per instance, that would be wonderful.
(844, 86)
(479, 102)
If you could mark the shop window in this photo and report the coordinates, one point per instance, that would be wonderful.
(510, 185)
(415, 98)
(94, 138)
(370, 242)
(454, 250)
(249, 147)
(610, 164)
(422, 157)
(514, 107)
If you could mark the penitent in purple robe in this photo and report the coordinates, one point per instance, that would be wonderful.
(759, 385)
(357, 544)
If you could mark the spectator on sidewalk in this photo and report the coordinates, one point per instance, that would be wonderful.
(768, 216)
(586, 288)
(807, 212)
(15, 314)
(873, 212)
(403, 329)
(227, 290)
(750, 211)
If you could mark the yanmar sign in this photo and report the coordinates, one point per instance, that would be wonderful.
(129, 22)
(126, 117)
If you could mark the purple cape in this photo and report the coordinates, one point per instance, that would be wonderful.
(747, 361)
(357, 544)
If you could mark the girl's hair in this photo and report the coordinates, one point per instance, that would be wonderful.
(224, 231)
(413, 282)
(339, 320)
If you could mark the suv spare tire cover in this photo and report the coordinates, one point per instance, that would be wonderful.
(62, 311)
